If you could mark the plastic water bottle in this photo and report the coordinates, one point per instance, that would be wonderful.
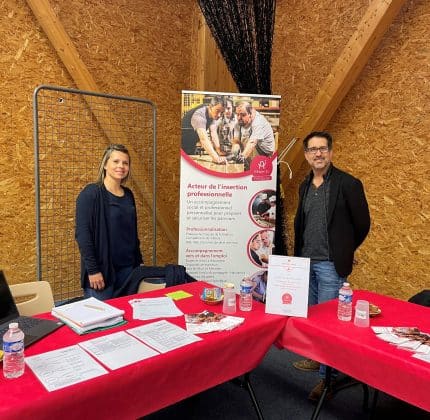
(13, 348)
(344, 308)
(245, 299)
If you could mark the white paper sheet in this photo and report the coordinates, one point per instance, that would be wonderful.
(423, 349)
(392, 338)
(287, 285)
(163, 335)
(117, 350)
(152, 308)
(63, 367)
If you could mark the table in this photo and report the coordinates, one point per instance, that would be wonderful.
(149, 385)
(205, 161)
(359, 353)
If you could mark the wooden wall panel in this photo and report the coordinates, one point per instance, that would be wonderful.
(208, 70)
(131, 48)
(380, 130)
(26, 61)
(383, 130)
(134, 48)
(148, 49)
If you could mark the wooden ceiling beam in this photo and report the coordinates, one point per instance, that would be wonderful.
(83, 79)
(357, 52)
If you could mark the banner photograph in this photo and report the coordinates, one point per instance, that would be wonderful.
(228, 184)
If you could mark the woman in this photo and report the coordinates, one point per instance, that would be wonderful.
(106, 227)
(254, 246)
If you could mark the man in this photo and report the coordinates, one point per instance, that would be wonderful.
(270, 214)
(262, 204)
(266, 246)
(331, 222)
(253, 135)
(259, 280)
(196, 124)
(225, 127)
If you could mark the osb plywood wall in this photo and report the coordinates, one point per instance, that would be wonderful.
(131, 47)
(381, 130)
(387, 111)
(144, 49)
(26, 60)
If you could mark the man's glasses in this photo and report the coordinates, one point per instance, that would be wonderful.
(314, 150)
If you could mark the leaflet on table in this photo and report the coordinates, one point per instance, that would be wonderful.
(423, 357)
(118, 349)
(207, 321)
(151, 308)
(287, 286)
(87, 312)
(406, 338)
(228, 205)
(64, 367)
(163, 335)
(178, 295)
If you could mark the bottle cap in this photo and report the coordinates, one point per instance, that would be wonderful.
(13, 325)
(346, 284)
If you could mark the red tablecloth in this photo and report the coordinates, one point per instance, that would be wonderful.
(149, 385)
(359, 353)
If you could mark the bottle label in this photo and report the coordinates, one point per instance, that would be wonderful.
(13, 347)
(345, 298)
(245, 287)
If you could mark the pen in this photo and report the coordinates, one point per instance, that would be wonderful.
(95, 307)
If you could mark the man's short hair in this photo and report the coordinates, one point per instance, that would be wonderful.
(324, 134)
(246, 105)
(218, 99)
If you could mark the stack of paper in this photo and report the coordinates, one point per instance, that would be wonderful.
(407, 338)
(89, 315)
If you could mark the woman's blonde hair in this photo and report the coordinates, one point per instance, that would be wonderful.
(106, 155)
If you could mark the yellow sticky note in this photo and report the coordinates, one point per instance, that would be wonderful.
(178, 295)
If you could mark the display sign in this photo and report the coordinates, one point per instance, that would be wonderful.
(288, 286)
(228, 184)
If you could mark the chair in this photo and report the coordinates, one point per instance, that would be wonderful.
(149, 284)
(33, 297)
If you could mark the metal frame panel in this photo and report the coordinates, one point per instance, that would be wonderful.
(72, 128)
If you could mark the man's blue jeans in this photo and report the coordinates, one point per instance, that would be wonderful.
(324, 285)
(324, 282)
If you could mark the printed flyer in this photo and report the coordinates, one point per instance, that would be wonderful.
(288, 286)
(228, 184)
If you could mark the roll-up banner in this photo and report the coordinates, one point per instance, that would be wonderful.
(228, 184)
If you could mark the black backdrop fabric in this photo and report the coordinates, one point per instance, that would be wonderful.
(243, 31)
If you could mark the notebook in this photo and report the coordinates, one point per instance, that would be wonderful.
(33, 328)
(89, 315)
(87, 312)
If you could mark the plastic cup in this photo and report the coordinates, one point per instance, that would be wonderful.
(229, 303)
(361, 318)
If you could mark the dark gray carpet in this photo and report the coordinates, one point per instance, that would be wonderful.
(282, 394)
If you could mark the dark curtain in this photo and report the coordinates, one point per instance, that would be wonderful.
(243, 31)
